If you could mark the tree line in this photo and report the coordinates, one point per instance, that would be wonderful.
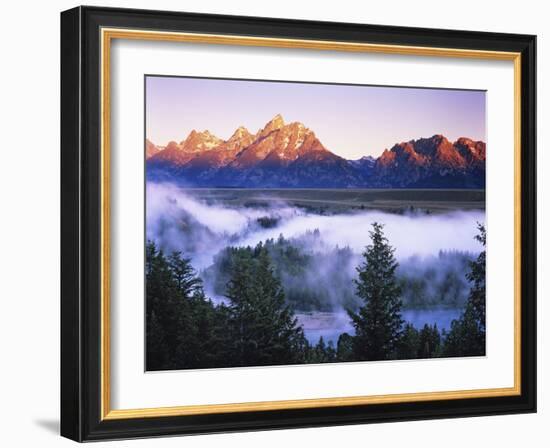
(320, 278)
(256, 326)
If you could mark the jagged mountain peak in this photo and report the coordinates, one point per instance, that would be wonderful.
(291, 155)
(471, 150)
(279, 144)
(277, 122)
(240, 132)
(437, 138)
(465, 141)
(363, 163)
(172, 146)
(150, 149)
(200, 141)
(432, 161)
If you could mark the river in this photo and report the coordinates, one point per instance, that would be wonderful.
(331, 324)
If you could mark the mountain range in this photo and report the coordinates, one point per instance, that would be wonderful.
(282, 155)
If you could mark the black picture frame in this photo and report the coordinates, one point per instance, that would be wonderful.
(81, 224)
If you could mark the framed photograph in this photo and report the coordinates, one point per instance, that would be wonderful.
(272, 223)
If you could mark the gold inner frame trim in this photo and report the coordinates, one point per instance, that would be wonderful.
(107, 35)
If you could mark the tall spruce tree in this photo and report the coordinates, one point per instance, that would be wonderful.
(264, 330)
(378, 323)
(429, 341)
(409, 344)
(476, 276)
(467, 334)
(164, 309)
(344, 347)
(184, 329)
(184, 275)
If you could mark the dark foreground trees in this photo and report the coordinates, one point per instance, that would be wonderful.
(378, 323)
(257, 326)
(467, 334)
(262, 328)
(184, 328)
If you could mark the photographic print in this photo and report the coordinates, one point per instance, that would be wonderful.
(304, 223)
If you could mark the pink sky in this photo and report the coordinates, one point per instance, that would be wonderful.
(351, 121)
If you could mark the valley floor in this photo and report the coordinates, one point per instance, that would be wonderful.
(344, 200)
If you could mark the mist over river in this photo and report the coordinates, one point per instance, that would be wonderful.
(326, 239)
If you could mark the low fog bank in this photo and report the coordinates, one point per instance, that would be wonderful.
(315, 255)
(177, 221)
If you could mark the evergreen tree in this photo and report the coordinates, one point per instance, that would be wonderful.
(409, 343)
(467, 334)
(156, 351)
(203, 336)
(241, 293)
(164, 308)
(184, 275)
(184, 329)
(429, 341)
(263, 329)
(344, 348)
(322, 352)
(330, 352)
(476, 276)
(378, 323)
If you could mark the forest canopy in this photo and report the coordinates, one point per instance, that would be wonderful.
(263, 287)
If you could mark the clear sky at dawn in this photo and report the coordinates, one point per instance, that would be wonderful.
(351, 121)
